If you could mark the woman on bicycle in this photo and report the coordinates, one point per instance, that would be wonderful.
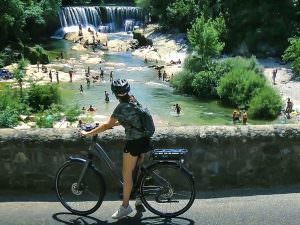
(136, 144)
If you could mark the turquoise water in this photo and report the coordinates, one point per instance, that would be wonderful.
(158, 96)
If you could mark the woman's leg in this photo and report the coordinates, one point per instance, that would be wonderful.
(129, 164)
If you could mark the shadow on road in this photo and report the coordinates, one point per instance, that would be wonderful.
(71, 219)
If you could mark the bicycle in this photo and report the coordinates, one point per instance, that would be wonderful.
(165, 186)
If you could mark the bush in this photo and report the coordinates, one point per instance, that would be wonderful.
(239, 86)
(9, 118)
(243, 63)
(205, 84)
(266, 104)
(182, 82)
(45, 121)
(72, 113)
(41, 97)
(292, 54)
(194, 64)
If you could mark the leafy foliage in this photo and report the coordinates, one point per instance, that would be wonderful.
(266, 104)
(182, 13)
(25, 20)
(194, 64)
(204, 37)
(239, 86)
(9, 118)
(10, 108)
(42, 97)
(72, 113)
(205, 84)
(292, 54)
(182, 81)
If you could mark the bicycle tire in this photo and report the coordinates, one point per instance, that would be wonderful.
(175, 172)
(66, 180)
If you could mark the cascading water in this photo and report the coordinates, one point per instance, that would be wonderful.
(103, 19)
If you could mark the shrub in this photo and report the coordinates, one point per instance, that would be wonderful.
(41, 97)
(45, 121)
(266, 104)
(9, 118)
(72, 113)
(182, 81)
(194, 64)
(292, 54)
(243, 63)
(239, 86)
(205, 84)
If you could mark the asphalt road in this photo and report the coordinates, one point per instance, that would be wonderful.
(246, 207)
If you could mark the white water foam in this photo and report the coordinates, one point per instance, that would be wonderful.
(151, 83)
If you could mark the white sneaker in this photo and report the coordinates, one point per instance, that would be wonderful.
(138, 202)
(122, 212)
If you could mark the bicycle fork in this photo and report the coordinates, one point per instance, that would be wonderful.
(83, 172)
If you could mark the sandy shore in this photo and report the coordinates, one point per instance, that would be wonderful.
(166, 47)
(285, 86)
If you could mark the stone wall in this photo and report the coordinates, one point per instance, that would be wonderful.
(220, 156)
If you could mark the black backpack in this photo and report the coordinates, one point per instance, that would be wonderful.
(148, 126)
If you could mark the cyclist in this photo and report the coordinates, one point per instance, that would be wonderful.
(136, 145)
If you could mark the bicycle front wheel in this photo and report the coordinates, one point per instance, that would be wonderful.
(81, 199)
(167, 190)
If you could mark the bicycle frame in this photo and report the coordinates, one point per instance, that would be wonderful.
(95, 150)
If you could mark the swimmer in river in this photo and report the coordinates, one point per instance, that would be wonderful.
(106, 94)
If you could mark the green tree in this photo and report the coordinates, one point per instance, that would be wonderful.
(204, 37)
(181, 14)
(292, 54)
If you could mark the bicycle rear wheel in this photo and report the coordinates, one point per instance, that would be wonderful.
(82, 200)
(167, 190)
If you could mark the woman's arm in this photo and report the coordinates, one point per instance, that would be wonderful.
(103, 127)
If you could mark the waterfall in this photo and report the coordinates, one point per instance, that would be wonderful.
(103, 19)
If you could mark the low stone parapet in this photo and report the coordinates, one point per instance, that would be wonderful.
(219, 156)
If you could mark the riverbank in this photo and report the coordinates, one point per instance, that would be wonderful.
(166, 48)
(286, 87)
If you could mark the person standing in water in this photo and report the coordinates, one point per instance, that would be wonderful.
(101, 74)
(111, 76)
(159, 74)
(81, 89)
(164, 76)
(178, 109)
(106, 95)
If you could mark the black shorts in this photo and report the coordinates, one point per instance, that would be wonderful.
(138, 146)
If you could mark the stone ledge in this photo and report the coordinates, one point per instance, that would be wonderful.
(219, 156)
